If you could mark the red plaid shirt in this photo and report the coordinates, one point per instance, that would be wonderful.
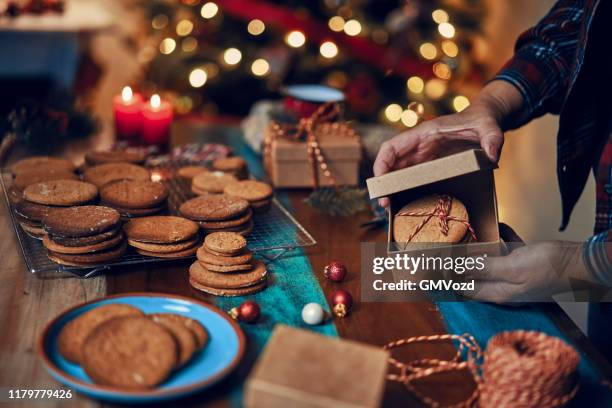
(562, 66)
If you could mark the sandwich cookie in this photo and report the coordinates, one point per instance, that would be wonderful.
(211, 182)
(105, 173)
(257, 193)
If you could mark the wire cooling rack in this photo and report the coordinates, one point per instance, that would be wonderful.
(274, 233)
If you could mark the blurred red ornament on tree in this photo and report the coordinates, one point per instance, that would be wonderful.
(362, 94)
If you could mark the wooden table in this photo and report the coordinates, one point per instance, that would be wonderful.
(29, 302)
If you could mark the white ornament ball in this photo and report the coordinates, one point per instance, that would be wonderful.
(313, 314)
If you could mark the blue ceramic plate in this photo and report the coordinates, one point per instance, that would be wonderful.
(223, 352)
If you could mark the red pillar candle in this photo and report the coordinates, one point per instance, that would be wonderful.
(127, 108)
(156, 121)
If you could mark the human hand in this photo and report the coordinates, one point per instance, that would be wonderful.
(475, 126)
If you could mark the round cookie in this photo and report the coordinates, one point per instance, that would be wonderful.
(200, 333)
(139, 212)
(105, 173)
(161, 229)
(207, 257)
(84, 249)
(32, 211)
(91, 258)
(115, 156)
(164, 248)
(36, 232)
(170, 255)
(212, 182)
(129, 352)
(73, 334)
(43, 163)
(26, 178)
(61, 192)
(189, 172)
(244, 229)
(209, 278)
(229, 164)
(134, 194)
(89, 240)
(228, 243)
(232, 222)
(80, 221)
(228, 292)
(185, 339)
(404, 226)
(250, 190)
(213, 207)
(227, 269)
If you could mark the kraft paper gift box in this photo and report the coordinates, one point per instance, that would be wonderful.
(287, 161)
(467, 175)
(302, 369)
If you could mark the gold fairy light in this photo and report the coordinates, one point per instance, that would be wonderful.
(295, 39)
(440, 16)
(209, 10)
(428, 51)
(393, 112)
(415, 84)
(197, 78)
(435, 88)
(417, 107)
(159, 21)
(232, 56)
(446, 30)
(460, 102)
(450, 48)
(211, 69)
(328, 49)
(189, 44)
(260, 67)
(336, 23)
(352, 27)
(184, 28)
(167, 46)
(442, 70)
(409, 118)
(256, 27)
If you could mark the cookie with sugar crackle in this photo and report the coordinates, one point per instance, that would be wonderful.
(227, 243)
(105, 173)
(130, 352)
(134, 194)
(185, 338)
(250, 190)
(256, 273)
(198, 330)
(114, 156)
(404, 226)
(80, 221)
(212, 181)
(214, 207)
(33, 176)
(43, 163)
(204, 255)
(228, 292)
(60, 192)
(72, 336)
(83, 249)
(161, 229)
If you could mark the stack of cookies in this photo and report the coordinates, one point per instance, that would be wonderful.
(257, 193)
(225, 267)
(83, 235)
(135, 198)
(219, 212)
(163, 236)
(105, 173)
(211, 182)
(118, 345)
(39, 198)
(236, 166)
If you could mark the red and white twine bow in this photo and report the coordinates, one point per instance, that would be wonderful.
(440, 211)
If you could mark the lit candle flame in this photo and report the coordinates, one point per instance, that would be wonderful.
(126, 94)
(155, 101)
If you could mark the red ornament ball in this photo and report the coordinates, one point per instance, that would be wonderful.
(335, 271)
(342, 302)
(248, 312)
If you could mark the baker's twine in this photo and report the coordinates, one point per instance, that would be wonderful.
(440, 211)
(519, 369)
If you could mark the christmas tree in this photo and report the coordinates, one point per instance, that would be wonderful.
(396, 61)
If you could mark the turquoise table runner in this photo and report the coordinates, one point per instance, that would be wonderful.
(294, 284)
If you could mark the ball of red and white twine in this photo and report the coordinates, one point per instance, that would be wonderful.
(522, 369)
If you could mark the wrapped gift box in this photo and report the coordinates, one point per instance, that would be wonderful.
(466, 175)
(302, 369)
(288, 165)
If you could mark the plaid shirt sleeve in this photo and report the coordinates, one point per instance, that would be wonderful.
(544, 59)
(597, 255)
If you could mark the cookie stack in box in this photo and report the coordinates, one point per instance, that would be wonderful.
(219, 212)
(83, 235)
(225, 267)
(163, 236)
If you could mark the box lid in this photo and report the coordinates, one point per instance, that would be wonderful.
(458, 164)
